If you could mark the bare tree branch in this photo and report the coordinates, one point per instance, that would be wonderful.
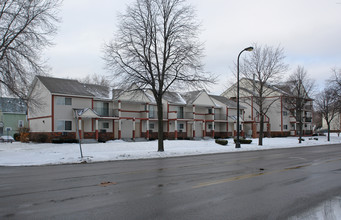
(157, 48)
(300, 89)
(263, 67)
(26, 28)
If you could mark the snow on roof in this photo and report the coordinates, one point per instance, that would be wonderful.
(13, 105)
(100, 92)
(174, 98)
(190, 97)
(228, 102)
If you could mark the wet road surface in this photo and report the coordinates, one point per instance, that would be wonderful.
(272, 184)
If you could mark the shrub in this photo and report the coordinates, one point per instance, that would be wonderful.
(61, 141)
(57, 141)
(41, 138)
(16, 136)
(243, 141)
(24, 135)
(101, 140)
(221, 141)
(70, 141)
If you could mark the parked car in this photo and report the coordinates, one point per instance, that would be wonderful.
(6, 139)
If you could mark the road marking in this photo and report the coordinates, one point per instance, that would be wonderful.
(251, 175)
(231, 179)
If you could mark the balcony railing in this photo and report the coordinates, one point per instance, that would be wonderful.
(220, 117)
(308, 119)
(308, 107)
(103, 112)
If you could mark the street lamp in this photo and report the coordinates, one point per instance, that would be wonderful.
(246, 49)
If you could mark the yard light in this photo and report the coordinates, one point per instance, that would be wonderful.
(246, 49)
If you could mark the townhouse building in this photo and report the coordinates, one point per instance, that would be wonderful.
(12, 115)
(335, 123)
(280, 118)
(65, 108)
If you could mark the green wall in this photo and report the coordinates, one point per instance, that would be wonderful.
(11, 120)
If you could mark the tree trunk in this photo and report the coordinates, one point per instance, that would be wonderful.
(299, 114)
(328, 131)
(160, 124)
(261, 129)
(300, 129)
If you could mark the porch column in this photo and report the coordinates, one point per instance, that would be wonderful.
(80, 127)
(268, 129)
(254, 130)
(147, 122)
(213, 112)
(203, 128)
(234, 129)
(119, 119)
(176, 129)
(193, 121)
(134, 124)
(227, 121)
(147, 132)
(96, 127)
(113, 129)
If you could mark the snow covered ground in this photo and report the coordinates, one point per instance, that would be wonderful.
(21, 154)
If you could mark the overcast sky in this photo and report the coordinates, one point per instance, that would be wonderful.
(308, 30)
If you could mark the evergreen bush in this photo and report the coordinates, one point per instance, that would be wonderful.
(221, 141)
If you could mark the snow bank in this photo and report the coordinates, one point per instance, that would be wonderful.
(22, 154)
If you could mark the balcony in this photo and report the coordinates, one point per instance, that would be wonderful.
(220, 117)
(103, 112)
(308, 107)
(308, 119)
(292, 119)
(172, 115)
(189, 115)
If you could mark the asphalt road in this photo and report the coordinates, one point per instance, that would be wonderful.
(272, 184)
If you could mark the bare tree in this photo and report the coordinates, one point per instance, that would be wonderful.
(96, 79)
(26, 28)
(301, 87)
(264, 68)
(328, 104)
(335, 80)
(157, 48)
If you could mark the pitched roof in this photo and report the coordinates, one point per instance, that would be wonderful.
(64, 86)
(190, 97)
(99, 91)
(12, 105)
(230, 103)
(174, 98)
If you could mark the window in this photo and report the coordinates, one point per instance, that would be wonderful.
(102, 108)
(180, 126)
(68, 101)
(64, 125)
(20, 123)
(63, 101)
(151, 111)
(151, 126)
(105, 125)
(285, 113)
(285, 127)
(180, 112)
(209, 111)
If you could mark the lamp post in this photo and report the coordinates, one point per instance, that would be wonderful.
(246, 49)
